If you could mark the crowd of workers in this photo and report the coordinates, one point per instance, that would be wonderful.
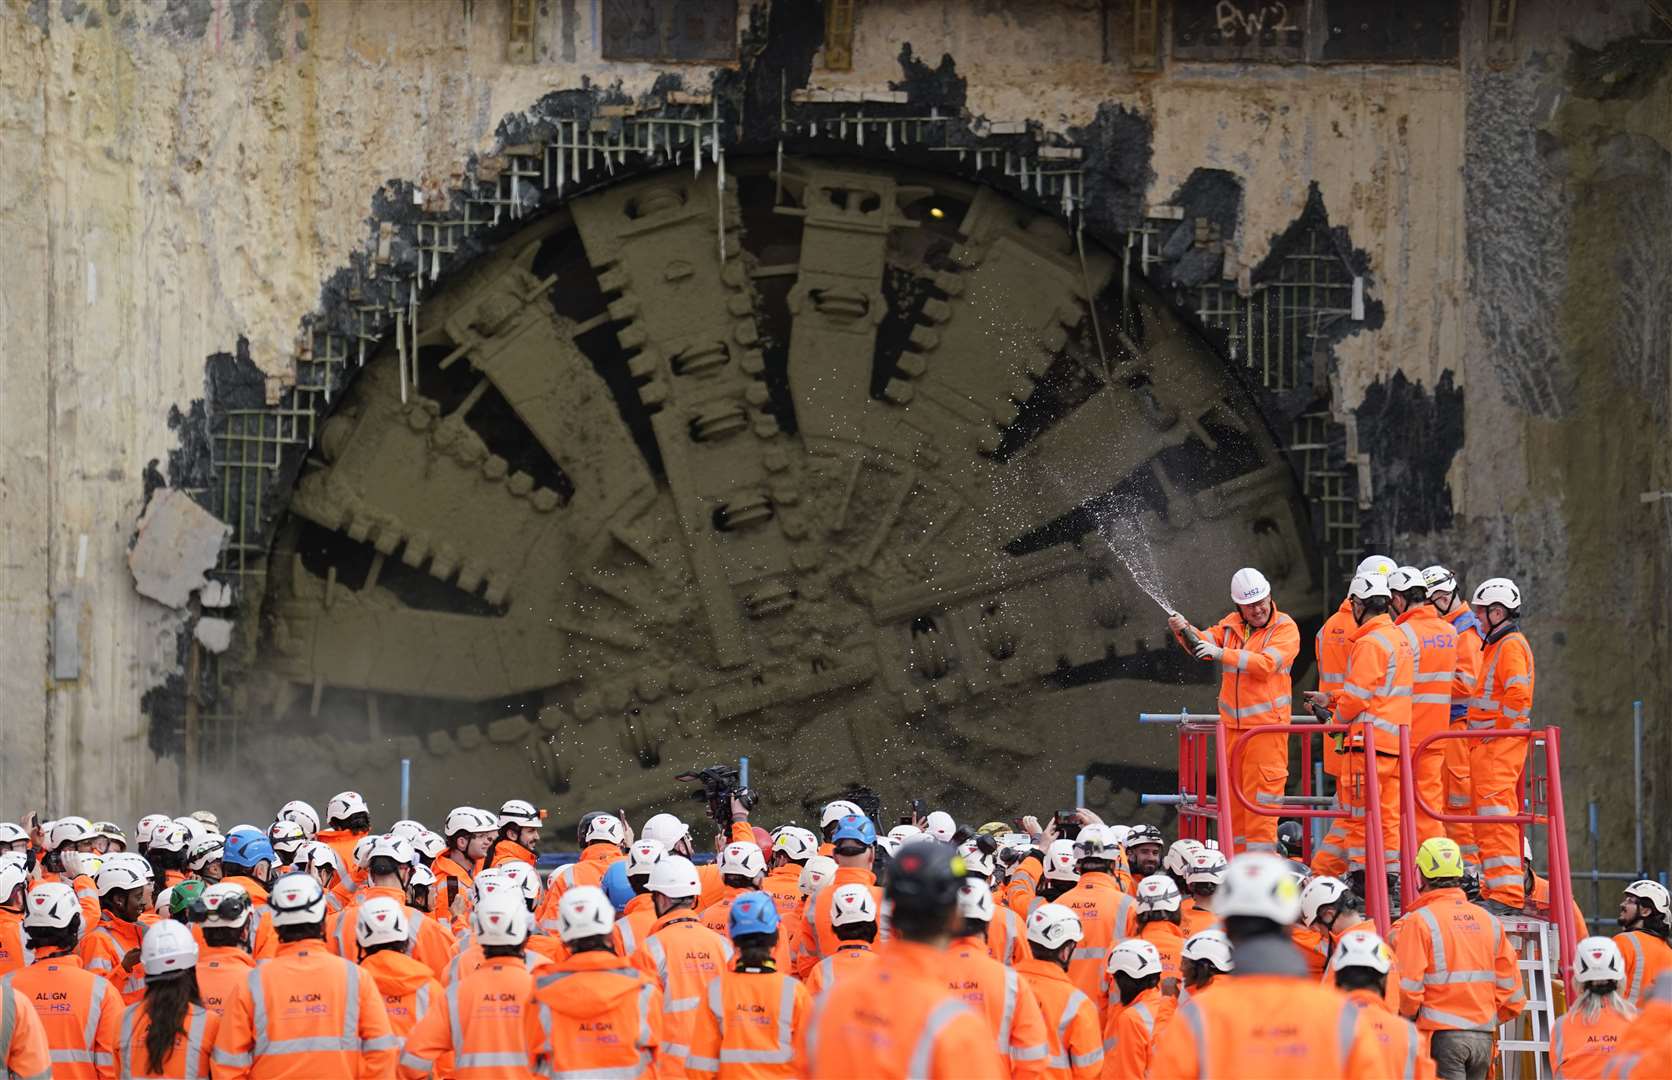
(1070, 948)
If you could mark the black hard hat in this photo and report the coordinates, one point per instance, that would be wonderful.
(585, 822)
(1289, 835)
(925, 877)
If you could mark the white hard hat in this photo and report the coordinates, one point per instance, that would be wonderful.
(111, 831)
(428, 846)
(1211, 946)
(1177, 859)
(1249, 586)
(1119, 833)
(1376, 566)
(1207, 865)
(362, 850)
(606, 829)
(675, 878)
(1406, 578)
(422, 876)
(205, 851)
(666, 828)
(297, 900)
(584, 912)
(1498, 590)
(1139, 835)
(68, 830)
(232, 915)
(168, 948)
(382, 921)
(940, 825)
(1158, 892)
(169, 836)
(852, 903)
(408, 828)
(470, 819)
(643, 855)
(117, 873)
(1258, 884)
(1320, 893)
(316, 853)
(797, 844)
(1061, 863)
(835, 811)
(492, 879)
(1365, 586)
(303, 814)
(743, 859)
(285, 836)
(1652, 891)
(519, 812)
(1097, 842)
(163, 897)
(143, 832)
(1439, 580)
(975, 900)
(901, 833)
(345, 804)
(1362, 949)
(1135, 958)
(1053, 926)
(1597, 960)
(12, 877)
(81, 863)
(51, 905)
(389, 846)
(977, 863)
(196, 830)
(816, 874)
(500, 918)
(523, 877)
(889, 845)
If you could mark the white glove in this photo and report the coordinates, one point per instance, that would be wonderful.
(1207, 650)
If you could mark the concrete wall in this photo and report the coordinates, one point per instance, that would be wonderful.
(177, 176)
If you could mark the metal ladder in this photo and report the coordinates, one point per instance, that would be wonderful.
(1523, 1044)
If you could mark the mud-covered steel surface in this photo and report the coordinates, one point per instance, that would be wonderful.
(831, 501)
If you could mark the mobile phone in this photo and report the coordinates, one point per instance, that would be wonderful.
(915, 813)
(1068, 824)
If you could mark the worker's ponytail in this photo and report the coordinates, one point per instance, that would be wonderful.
(167, 1006)
(1603, 995)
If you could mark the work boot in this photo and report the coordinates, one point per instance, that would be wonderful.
(1395, 908)
(1471, 885)
(1498, 907)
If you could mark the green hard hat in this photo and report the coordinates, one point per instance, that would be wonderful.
(180, 899)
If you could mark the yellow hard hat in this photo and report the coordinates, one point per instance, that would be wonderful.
(995, 829)
(1440, 857)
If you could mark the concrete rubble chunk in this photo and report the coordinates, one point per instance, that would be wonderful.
(177, 544)
(213, 634)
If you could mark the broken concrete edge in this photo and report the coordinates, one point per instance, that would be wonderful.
(176, 543)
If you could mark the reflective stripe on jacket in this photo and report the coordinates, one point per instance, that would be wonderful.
(187, 1060)
(1108, 916)
(1378, 686)
(481, 1021)
(81, 1012)
(24, 1051)
(1504, 694)
(593, 1015)
(1434, 642)
(683, 956)
(1457, 970)
(1254, 684)
(750, 1027)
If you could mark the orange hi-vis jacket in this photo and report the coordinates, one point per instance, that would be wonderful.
(717, 917)
(1006, 999)
(850, 957)
(14, 943)
(1168, 939)
(1582, 1049)
(453, 881)
(1267, 1026)
(103, 951)
(633, 925)
(86, 895)
(1313, 946)
(504, 851)
(1647, 957)
(266, 938)
(894, 1019)
(408, 987)
(589, 869)
(1254, 684)
(481, 1021)
(221, 970)
(1504, 693)
(342, 842)
(24, 1050)
(1072, 1022)
(1470, 645)
(470, 958)
(188, 1059)
(751, 1026)
(1404, 1048)
(431, 943)
(682, 956)
(1332, 939)
(81, 1012)
(1645, 1051)
(594, 1015)
(818, 937)
(1131, 1031)
(1333, 644)
(1378, 686)
(1195, 918)
(1022, 890)
(1538, 904)
(1007, 937)
(783, 884)
(302, 1015)
(1433, 641)
(1108, 916)
(1457, 970)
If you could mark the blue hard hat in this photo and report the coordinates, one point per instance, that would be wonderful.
(854, 827)
(247, 849)
(616, 886)
(752, 913)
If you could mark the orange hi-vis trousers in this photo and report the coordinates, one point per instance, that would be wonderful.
(1343, 850)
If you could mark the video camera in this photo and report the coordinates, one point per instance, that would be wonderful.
(719, 787)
